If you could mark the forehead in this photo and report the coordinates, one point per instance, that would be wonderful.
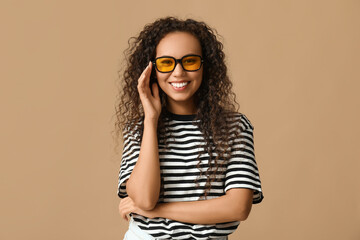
(178, 44)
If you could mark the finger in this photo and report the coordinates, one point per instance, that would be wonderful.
(123, 206)
(126, 206)
(123, 213)
(141, 84)
(142, 76)
(144, 79)
(122, 201)
(147, 73)
(124, 216)
(155, 90)
(149, 68)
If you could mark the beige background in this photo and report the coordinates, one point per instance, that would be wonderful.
(295, 67)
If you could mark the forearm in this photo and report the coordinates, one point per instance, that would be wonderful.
(217, 210)
(143, 185)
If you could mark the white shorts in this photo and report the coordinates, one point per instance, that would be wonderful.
(135, 233)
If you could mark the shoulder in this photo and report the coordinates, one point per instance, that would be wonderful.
(134, 123)
(133, 127)
(241, 119)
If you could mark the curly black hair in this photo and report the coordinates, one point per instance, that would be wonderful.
(214, 99)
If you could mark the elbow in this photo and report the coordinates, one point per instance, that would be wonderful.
(145, 205)
(242, 214)
(143, 201)
(242, 217)
(240, 201)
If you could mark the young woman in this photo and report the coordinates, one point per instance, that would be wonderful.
(188, 168)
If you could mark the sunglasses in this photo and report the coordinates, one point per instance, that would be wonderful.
(189, 63)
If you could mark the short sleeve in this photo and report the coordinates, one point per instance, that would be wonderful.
(129, 158)
(242, 170)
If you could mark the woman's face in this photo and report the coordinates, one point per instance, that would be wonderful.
(177, 45)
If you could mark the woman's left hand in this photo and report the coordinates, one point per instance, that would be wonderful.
(127, 206)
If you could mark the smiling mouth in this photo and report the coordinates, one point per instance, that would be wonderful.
(179, 85)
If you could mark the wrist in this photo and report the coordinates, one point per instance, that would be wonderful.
(151, 121)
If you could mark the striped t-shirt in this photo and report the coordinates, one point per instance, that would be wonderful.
(178, 167)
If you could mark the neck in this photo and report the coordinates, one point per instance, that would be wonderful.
(182, 108)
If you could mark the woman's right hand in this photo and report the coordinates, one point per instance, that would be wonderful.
(150, 103)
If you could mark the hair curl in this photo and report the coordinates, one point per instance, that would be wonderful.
(214, 99)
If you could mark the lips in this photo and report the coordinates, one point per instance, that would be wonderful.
(179, 81)
(180, 85)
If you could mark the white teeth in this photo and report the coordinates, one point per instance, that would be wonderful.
(179, 85)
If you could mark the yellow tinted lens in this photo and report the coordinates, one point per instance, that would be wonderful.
(191, 63)
(165, 64)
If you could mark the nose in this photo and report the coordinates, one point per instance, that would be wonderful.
(178, 71)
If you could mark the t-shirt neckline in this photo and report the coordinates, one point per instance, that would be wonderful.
(181, 117)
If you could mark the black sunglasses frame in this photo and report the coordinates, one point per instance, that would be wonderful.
(179, 61)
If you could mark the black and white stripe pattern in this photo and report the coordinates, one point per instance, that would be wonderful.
(178, 165)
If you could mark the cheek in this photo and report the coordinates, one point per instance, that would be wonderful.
(161, 78)
(158, 75)
(198, 77)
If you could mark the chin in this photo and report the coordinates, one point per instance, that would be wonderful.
(179, 98)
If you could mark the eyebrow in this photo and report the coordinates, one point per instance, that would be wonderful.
(180, 57)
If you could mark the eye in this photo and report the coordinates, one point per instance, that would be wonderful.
(166, 62)
(189, 61)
